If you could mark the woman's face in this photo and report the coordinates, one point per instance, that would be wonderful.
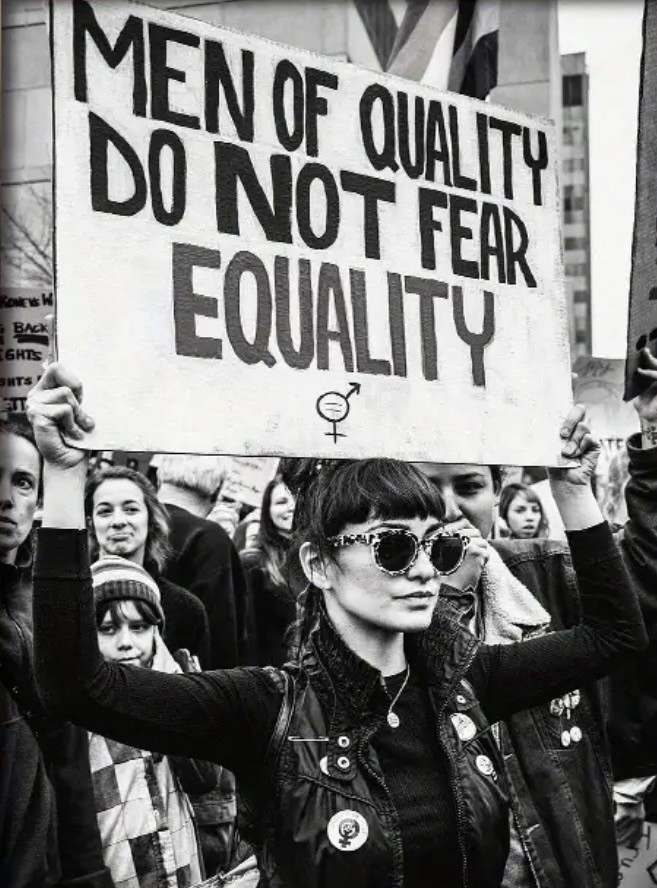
(523, 517)
(20, 469)
(281, 508)
(132, 641)
(358, 592)
(120, 519)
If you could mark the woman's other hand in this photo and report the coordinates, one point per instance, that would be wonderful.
(571, 485)
(53, 409)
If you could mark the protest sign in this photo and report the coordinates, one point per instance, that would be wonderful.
(246, 479)
(263, 251)
(23, 342)
(638, 865)
(598, 385)
(642, 322)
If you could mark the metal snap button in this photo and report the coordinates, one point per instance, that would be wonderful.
(343, 762)
(461, 700)
(344, 742)
(323, 765)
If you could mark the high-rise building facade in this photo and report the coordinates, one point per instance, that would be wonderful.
(575, 207)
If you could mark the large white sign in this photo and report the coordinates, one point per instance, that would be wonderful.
(263, 251)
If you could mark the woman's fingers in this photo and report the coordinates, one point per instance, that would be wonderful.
(56, 376)
(64, 395)
(44, 415)
(575, 416)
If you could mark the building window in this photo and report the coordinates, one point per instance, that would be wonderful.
(576, 269)
(572, 164)
(581, 296)
(573, 202)
(573, 90)
(574, 243)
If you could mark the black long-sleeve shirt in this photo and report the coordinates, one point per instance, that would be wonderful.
(228, 716)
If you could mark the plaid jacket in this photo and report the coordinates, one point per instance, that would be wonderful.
(145, 819)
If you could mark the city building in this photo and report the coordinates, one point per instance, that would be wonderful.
(575, 206)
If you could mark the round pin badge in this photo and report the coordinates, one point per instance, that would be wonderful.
(484, 765)
(575, 734)
(323, 765)
(565, 738)
(347, 830)
(464, 726)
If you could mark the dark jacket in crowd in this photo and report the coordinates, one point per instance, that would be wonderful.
(633, 688)
(48, 830)
(205, 562)
(273, 608)
(186, 622)
(231, 717)
(561, 795)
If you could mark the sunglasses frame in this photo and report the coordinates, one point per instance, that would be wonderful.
(373, 540)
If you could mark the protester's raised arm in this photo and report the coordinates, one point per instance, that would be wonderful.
(571, 487)
(54, 410)
(221, 717)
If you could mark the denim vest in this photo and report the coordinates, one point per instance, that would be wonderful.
(332, 822)
(561, 796)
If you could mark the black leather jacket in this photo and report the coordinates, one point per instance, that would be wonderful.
(337, 696)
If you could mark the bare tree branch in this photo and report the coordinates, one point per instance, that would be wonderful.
(26, 237)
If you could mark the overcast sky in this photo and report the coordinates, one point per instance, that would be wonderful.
(609, 32)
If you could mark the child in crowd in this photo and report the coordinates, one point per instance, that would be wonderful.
(145, 819)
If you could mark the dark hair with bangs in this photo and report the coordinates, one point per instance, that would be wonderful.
(115, 608)
(331, 494)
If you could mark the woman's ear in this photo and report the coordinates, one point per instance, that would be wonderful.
(314, 567)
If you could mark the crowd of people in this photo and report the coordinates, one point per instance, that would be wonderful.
(386, 674)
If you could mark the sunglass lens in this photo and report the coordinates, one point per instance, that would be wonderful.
(446, 554)
(395, 551)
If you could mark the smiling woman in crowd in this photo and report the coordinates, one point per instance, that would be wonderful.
(273, 603)
(372, 761)
(125, 518)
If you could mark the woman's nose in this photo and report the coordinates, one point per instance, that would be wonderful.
(452, 509)
(423, 568)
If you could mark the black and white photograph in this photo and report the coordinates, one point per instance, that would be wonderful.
(328, 444)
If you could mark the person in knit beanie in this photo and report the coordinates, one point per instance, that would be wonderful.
(136, 786)
(129, 615)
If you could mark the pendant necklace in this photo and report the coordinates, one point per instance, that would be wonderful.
(392, 718)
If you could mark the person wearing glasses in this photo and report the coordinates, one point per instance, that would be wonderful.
(371, 760)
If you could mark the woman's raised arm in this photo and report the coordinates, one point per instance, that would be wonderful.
(223, 716)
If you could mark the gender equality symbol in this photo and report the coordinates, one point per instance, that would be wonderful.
(334, 407)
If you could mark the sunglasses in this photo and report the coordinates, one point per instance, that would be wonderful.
(396, 550)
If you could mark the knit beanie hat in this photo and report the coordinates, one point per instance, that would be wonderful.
(117, 579)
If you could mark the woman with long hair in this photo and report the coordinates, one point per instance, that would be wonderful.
(372, 760)
(273, 604)
(125, 518)
(522, 511)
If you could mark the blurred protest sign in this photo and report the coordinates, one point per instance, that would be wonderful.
(638, 865)
(246, 479)
(642, 323)
(599, 386)
(285, 254)
(23, 342)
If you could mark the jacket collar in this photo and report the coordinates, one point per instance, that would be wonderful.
(441, 655)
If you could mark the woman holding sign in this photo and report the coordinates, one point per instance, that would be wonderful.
(372, 760)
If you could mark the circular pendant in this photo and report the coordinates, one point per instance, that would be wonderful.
(393, 720)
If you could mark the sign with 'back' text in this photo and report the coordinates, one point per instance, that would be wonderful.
(263, 251)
